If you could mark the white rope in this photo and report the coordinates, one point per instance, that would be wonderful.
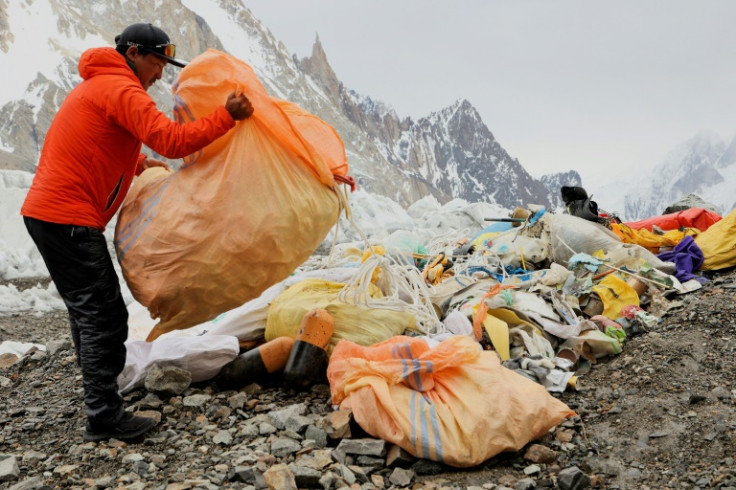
(442, 242)
(403, 289)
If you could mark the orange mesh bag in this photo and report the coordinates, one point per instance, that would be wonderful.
(241, 214)
(453, 403)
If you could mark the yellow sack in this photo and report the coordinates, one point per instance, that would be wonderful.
(615, 293)
(241, 214)
(359, 324)
(453, 403)
(718, 244)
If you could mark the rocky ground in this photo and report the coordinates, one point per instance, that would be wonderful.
(659, 415)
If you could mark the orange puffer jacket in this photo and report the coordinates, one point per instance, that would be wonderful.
(92, 149)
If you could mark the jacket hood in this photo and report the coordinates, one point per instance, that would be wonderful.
(103, 61)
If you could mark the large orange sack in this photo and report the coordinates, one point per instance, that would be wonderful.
(241, 214)
(453, 403)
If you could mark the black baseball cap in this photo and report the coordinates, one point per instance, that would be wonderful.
(151, 39)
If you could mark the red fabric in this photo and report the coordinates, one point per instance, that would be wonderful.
(92, 149)
(346, 179)
(139, 165)
(698, 218)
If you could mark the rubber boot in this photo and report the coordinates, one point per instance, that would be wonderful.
(256, 364)
(307, 362)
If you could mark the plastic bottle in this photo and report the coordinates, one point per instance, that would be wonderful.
(256, 364)
(307, 362)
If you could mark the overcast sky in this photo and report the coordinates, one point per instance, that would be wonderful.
(599, 87)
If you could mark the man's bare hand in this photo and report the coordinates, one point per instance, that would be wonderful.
(152, 162)
(238, 106)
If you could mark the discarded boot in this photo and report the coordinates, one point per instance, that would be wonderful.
(130, 427)
(307, 364)
(255, 365)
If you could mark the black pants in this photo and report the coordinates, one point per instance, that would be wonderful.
(80, 266)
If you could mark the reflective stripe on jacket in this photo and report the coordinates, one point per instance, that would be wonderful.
(92, 149)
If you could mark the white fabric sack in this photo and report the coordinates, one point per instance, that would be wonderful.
(509, 248)
(568, 235)
(203, 356)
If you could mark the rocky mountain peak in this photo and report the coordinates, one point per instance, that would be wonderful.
(448, 154)
(554, 182)
(320, 70)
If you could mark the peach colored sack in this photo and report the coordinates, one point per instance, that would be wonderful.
(241, 214)
(453, 403)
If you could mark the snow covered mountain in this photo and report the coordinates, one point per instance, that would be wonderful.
(447, 154)
(703, 165)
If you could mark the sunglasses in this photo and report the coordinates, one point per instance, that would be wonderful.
(164, 49)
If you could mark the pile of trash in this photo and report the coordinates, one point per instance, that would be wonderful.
(449, 348)
(421, 341)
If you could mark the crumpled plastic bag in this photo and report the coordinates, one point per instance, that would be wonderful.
(354, 322)
(568, 235)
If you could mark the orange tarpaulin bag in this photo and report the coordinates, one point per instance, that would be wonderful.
(453, 403)
(241, 214)
(698, 218)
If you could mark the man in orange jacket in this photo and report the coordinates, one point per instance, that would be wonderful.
(89, 158)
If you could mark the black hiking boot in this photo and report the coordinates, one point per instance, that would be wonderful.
(129, 428)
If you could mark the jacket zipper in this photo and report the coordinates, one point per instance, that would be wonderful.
(114, 194)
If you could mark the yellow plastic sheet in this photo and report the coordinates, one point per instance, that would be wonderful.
(512, 319)
(615, 294)
(498, 332)
(651, 241)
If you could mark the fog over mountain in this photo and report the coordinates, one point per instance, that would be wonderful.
(704, 165)
(449, 153)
